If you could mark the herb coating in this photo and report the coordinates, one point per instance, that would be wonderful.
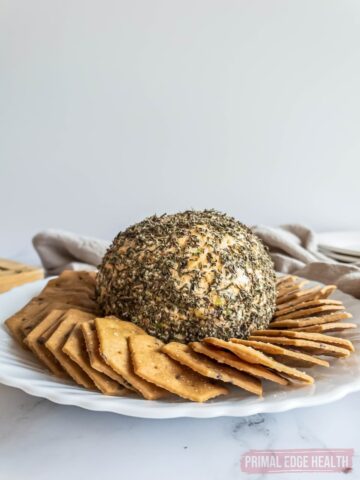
(188, 276)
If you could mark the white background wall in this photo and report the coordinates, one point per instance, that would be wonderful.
(115, 109)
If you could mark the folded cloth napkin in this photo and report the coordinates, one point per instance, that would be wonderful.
(59, 250)
(293, 249)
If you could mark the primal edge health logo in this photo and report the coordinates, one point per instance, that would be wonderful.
(308, 460)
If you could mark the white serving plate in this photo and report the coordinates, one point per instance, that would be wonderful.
(346, 243)
(18, 368)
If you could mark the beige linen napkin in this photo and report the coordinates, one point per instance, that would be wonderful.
(59, 250)
(293, 249)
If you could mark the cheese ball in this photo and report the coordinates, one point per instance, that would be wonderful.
(189, 276)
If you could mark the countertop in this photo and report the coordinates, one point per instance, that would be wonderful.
(41, 440)
(44, 441)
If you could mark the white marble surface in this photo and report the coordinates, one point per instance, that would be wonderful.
(42, 440)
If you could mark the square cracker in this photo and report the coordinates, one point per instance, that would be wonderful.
(306, 322)
(96, 360)
(290, 288)
(209, 368)
(251, 355)
(318, 348)
(31, 321)
(307, 312)
(33, 311)
(155, 366)
(284, 279)
(315, 292)
(21, 323)
(69, 278)
(113, 334)
(35, 343)
(315, 337)
(281, 310)
(75, 348)
(57, 340)
(285, 355)
(327, 327)
(78, 299)
(227, 358)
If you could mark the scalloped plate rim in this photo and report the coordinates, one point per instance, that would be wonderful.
(42, 385)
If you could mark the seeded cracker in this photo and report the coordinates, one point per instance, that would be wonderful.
(31, 321)
(316, 337)
(319, 348)
(208, 368)
(302, 305)
(327, 327)
(307, 312)
(227, 358)
(153, 365)
(285, 355)
(70, 280)
(307, 321)
(113, 334)
(251, 355)
(315, 292)
(96, 361)
(57, 340)
(34, 311)
(189, 275)
(36, 345)
(75, 348)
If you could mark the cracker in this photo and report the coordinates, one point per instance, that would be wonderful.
(70, 277)
(209, 368)
(280, 310)
(156, 367)
(35, 343)
(290, 289)
(318, 348)
(327, 290)
(31, 311)
(113, 334)
(295, 358)
(78, 299)
(286, 291)
(297, 294)
(308, 312)
(96, 360)
(31, 322)
(315, 293)
(327, 327)
(251, 355)
(315, 337)
(306, 322)
(75, 348)
(286, 286)
(21, 323)
(284, 279)
(310, 293)
(222, 356)
(57, 340)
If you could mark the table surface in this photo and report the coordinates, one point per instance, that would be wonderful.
(42, 440)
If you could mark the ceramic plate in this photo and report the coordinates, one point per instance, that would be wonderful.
(18, 368)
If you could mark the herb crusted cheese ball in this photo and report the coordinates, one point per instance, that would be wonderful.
(188, 276)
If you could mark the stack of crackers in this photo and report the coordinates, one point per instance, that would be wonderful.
(63, 328)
